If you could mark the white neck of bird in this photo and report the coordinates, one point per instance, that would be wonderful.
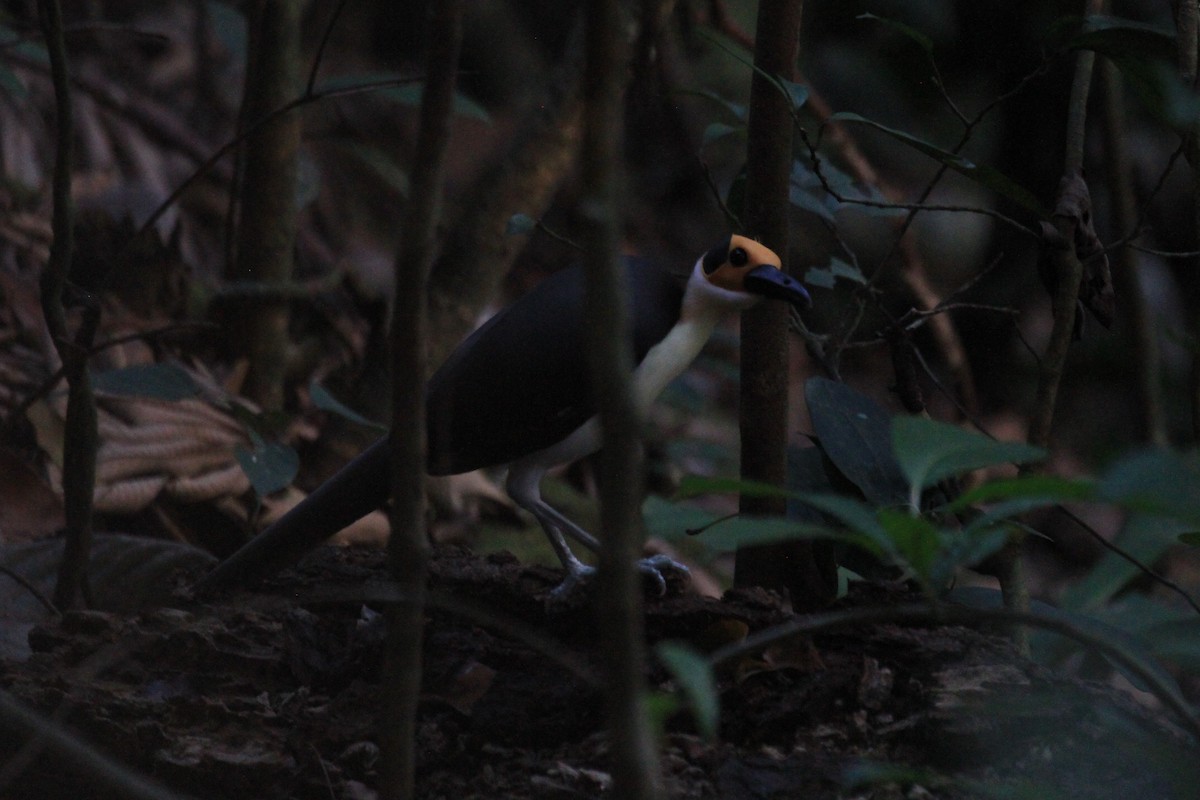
(703, 307)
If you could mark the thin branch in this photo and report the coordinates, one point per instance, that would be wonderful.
(941, 614)
(408, 545)
(33, 590)
(310, 86)
(249, 130)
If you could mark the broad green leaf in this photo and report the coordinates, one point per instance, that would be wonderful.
(382, 164)
(719, 130)
(853, 431)
(821, 277)
(1117, 38)
(1045, 489)
(520, 224)
(1161, 482)
(797, 93)
(1131, 646)
(847, 271)
(270, 466)
(981, 174)
(915, 539)
(1145, 55)
(858, 517)
(163, 381)
(1017, 496)
(322, 399)
(12, 85)
(675, 521)
(694, 676)
(1144, 538)
(229, 25)
(929, 452)
(965, 548)
(807, 472)
(695, 485)
(912, 33)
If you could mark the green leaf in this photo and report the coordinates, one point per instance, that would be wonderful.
(719, 130)
(1191, 538)
(1122, 38)
(322, 399)
(915, 539)
(520, 224)
(270, 466)
(1131, 646)
(1020, 495)
(929, 452)
(163, 381)
(400, 88)
(1045, 489)
(1161, 482)
(696, 485)
(380, 162)
(981, 174)
(677, 521)
(1144, 538)
(821, 277)
(694, 676)
(921, 40)
(854, 432)
(12, 85)
(847, 271)
(796, 93)
(229, 25)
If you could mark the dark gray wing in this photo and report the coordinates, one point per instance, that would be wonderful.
(520, 382)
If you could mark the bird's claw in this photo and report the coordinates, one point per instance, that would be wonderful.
(657, 567)
(578, 576)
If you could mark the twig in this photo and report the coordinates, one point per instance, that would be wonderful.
(1112, 547)
(33, 590)
(408, 546)
(633, 744)
(310, 86)
(80, 439)
(52, 380)
(213, 159)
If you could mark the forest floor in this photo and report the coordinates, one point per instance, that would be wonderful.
(275, 694)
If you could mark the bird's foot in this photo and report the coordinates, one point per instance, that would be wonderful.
(579, 575)
(658, 568)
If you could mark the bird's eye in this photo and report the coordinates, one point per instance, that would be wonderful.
(738, 257)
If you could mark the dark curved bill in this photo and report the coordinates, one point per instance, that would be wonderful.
(771, 282)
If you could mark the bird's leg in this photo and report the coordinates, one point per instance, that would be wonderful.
(523, 488)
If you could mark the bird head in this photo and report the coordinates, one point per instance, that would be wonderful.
(744, 271)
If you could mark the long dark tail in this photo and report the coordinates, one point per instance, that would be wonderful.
(358, 489)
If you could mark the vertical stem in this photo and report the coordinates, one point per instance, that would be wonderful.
(408, 549)
(79, 440)
(1124, 208)
(764, 348)
(1068, 276)
(1187, 23)
(267, 231)
(635, 764)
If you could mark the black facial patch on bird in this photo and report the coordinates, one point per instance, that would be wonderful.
(716, 257)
